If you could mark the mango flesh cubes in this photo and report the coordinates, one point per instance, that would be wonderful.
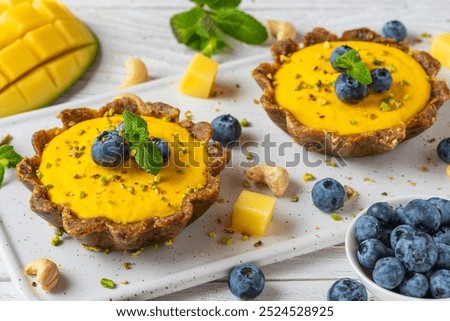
(199, 77)
(440, 49)
(44, 49)
(252, 213)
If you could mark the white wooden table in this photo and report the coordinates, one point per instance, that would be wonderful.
(141, 28)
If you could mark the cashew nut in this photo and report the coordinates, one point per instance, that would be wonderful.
(281, 29)
(276, 178)
(136, 72)
(46, 271)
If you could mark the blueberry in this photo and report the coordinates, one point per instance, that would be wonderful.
(440, 284)
(328, 195)
(399, 216)
(226, 129)
(399, 232)
(442, 235)
(370, 251)
(388, 272)
(443, 206)
(394, 29)
(347, 289)
(246, 281)
(163, 148)
(443, 261)
(443, 150)
(382, 211)
(349, 90)
(415, 285)
(385, 237)
(422, 215)
(109, 149)
(381, 80)
(367, 227)
(417, 251)
(339, 51)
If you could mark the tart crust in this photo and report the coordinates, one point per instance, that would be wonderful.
(354, 145)
(103, 233)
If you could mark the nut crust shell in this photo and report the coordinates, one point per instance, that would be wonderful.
(101, 232)
(356, 145)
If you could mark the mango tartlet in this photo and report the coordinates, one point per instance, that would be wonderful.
(122, 207)
(299, 97)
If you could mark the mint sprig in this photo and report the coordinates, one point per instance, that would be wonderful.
(203, 27)
(145, 152)
(9, 158)
(354, 67)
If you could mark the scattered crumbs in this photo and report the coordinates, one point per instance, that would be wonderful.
(410, 182)
(368, 179)
(217, 109)
(349, 177)
(124, 282)
(212, 234)
(228, 230)
(6, 139)
(431, 140)
(294, 198)
(245, 123)
(238, 86)
(426, 35)
(384, 194)
(317, 228)
(168, 243)
(336, 217)
(55, 241)
(245, 183)
(188, 114)
(307, 177)
(350, 192)
(256, 101)
(127, 265)
(391, 178)
(249, 155)
(137, 252)
(106, 283)
(34, 284)
(423, 169)
(258, 244)
(225, 241)
(91, 248)
(331, 163)
(244, 237)
(220, 200)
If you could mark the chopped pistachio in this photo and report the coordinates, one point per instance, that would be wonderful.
(225, 241)
(124, 282)
(48, 186)
(188, 115)
(307, 177)
(55, 241)
(403, 82)
(83, 194)
(59, 233)
(294, 198)
(127, 265)
(246, 183)
(168, 243)
(322, 101)
(256, 101)
(103, 180)
(166, 118)
(245, 123)
(212, 234)
(81, 132)
(137, 252)
(244, 238)
(91, 248)
(425, 35)
(107, 283)
(336, 217)
(6, 139)
(353, 122)
(249, 155)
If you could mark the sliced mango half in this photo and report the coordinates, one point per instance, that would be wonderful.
(44, 49)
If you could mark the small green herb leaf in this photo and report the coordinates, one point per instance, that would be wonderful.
(184, 25)
(135, 128)
(8, 159)
(355, 68)
(240, 26)
(217, 4)
(147, 156)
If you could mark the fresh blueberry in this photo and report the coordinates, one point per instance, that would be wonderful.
(349, 90)
(388, 272)
(440, 284)
(443, 261)
(415, 285)
(443, 150)
(246, 281)
(442, 235)
(370, 251)
(109, 149)
(443, 205)
(367, 227)
(381, 80)
(347, 289)
(399, 216)
(382, 211)
(339, 51)
(385, 237)
(226, 128)
(163, 148)
(394, 29)
(422, 215)
(399, 232)
(417, 251)
(328, 195)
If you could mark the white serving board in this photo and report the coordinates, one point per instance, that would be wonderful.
(195, 257)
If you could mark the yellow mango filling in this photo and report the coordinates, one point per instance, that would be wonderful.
(252, 213)
(126, 193)
(305, 87)
(198, 78)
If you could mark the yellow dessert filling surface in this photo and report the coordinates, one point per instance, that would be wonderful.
(305, 87)
(126, 193)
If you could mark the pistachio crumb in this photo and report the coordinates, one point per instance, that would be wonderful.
(307, 177)
(294, 198)
(107, 283)
(82, 194)
(249, 156)
(124, 282)
(212, 234)
(245, 123)
(168, 243)
(244, 237)
(225, 241)
(137, 252)
(55, 241)
(127, 265)
(245, 183)
(336, 217)
(256, 101)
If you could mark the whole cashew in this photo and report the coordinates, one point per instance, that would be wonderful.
(281, 29)
(136, 72)
(276, 178)
(46, 271)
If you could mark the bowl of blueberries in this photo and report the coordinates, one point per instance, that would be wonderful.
(400, 248)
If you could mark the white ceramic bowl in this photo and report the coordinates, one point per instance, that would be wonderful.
(351, 248)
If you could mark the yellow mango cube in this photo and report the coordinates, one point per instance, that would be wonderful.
(252, 213)
(199, 77)
(440, 49)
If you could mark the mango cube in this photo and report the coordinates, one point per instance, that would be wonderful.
(252, 213)
(440, 49)
(199, 77)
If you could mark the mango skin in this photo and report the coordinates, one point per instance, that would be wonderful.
(44, 50)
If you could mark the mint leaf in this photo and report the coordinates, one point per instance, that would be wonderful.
(240, 26)
(2, 174)
(9, 158)
(135, 128)
(184, 25)
(355, 68)
(215, 4)
(147, 156)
